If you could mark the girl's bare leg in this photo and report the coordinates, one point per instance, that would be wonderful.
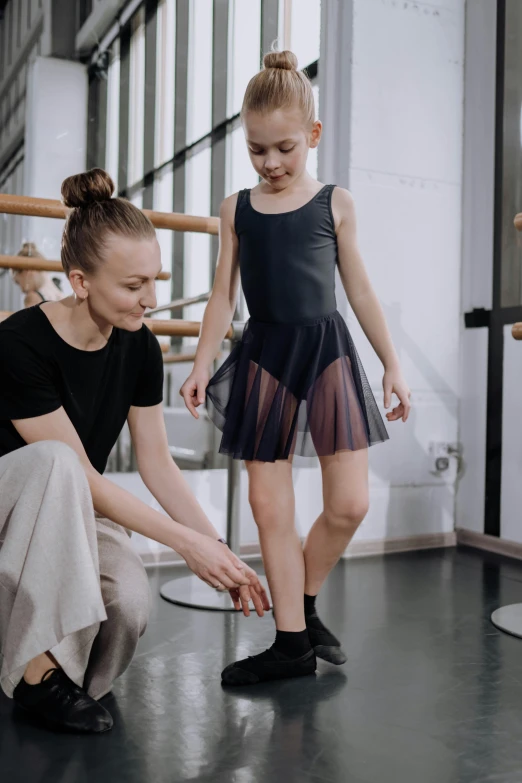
(271, 495)
(345, 498)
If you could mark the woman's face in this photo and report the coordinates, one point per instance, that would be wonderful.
(123, 286)
(278, 144)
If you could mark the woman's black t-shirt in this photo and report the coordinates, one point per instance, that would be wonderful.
(40, 372)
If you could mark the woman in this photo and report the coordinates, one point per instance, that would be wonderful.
(37, 286)
(74, 596)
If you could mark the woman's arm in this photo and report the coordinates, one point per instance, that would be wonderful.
(219, 310)
(365, 303)
(207, 558)
(167, 484)
(160, 473)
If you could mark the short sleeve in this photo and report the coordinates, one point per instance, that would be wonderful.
(27, 389)
(149, 386)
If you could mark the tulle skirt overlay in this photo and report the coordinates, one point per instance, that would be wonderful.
(294, 389)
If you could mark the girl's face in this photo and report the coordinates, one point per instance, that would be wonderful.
(278, 144)
(27, 279)
(123, 286)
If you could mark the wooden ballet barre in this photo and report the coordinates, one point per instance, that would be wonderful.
(518, 221)
(167, 328)
(178, 358)
(44, 265)
(51, 208)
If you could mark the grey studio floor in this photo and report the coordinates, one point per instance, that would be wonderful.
(431, 693)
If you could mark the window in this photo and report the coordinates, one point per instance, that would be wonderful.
(136, 98)
(113, 113)
(199, 98)
(244, 49)
(165, 81)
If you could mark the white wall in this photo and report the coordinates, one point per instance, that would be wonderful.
(405, 175)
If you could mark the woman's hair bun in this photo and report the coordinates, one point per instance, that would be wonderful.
(286, 60)
(29, 250)
(80, 190)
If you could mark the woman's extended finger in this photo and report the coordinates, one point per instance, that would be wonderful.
(244, 594)
(260, 601)
(234, 594)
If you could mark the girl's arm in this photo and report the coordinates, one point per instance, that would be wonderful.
(365, 304)
(207, 558)
(219, 310)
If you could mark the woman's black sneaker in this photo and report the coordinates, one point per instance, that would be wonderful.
(62, 704)
(268, 665)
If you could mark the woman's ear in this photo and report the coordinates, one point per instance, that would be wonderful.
(315, 135)
(79, 284)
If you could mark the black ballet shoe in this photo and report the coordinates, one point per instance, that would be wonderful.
(62, 704)
(268, 665)
(325, 645)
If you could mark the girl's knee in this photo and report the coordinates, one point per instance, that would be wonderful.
(346, 512)
(269, 512)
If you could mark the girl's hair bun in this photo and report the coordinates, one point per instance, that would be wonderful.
(29, 250)
(80, 190)
(286, 60)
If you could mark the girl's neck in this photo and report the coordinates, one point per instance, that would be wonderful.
(302, 184)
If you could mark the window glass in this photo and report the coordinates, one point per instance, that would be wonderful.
(113, 113)
(244, 49)
(199, 109)
(165, 81)
(137, 97)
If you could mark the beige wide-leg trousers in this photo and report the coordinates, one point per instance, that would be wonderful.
(70, 582)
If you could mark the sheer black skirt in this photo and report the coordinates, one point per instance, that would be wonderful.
(294, 389)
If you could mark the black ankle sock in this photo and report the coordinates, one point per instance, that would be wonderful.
(293, 644)
(309, 605)
(318, 633)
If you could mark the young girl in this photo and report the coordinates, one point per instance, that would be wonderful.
(74, 596)
(295, 384)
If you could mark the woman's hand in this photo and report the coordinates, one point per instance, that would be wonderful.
(394, 382)
(193, 390)
(216, 565)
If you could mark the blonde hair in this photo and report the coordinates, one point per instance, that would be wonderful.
(280, 85)
(94, 215)
(29, 250)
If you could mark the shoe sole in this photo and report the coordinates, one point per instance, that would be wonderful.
(331, 654)
(57, 727)
(248, 678)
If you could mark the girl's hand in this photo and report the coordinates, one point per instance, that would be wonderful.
(394, 383)
(216, 565)
(193, 390)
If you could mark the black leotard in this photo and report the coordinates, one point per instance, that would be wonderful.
(288, 259)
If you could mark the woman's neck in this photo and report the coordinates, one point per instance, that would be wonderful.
(76, 325)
